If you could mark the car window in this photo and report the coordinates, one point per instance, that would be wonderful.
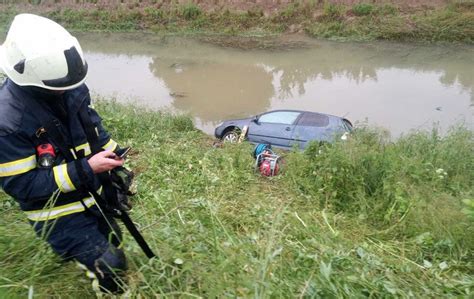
(279, 117)
(314, 120)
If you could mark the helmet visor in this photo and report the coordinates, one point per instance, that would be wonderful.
(77, 71)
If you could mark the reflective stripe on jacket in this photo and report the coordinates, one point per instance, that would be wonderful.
(59, 211)
(61, 187)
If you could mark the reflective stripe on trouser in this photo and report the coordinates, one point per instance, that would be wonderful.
(92, 277)
(59, 211)
(86, 238)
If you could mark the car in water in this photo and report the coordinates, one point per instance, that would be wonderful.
(286, 128)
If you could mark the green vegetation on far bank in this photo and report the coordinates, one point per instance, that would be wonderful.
(368, 217)
(363, 21)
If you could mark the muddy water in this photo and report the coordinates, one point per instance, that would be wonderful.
(396, 86)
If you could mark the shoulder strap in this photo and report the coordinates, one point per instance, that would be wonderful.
(89, 129)
(109, 189)
(93, 139)
(52, 128)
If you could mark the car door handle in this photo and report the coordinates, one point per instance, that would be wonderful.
(288, 128)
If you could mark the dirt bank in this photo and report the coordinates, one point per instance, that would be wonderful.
(420, 20)
(268, 6)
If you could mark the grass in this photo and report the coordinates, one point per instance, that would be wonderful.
(369, 22)
(365, 218)
(362, 21)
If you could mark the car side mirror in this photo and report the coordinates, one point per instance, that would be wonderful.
(255, 119)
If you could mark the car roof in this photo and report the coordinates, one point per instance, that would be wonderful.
(300, 111)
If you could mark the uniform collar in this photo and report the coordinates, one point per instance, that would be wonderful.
(73, 99)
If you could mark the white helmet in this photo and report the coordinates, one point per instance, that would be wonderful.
(39, 52)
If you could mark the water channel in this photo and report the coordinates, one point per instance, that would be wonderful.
(400, 87)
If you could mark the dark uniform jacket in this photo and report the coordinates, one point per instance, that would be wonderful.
(46, 193)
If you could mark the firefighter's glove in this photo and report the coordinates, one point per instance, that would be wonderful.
(123, 203)
(122, 180)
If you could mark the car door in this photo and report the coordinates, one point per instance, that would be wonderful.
(275, 128)
(311, 126)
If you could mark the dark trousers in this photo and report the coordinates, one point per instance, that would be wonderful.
(88, 238)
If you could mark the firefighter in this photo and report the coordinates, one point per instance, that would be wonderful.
(46, 163)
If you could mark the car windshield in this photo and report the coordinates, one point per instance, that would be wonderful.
(279, 117)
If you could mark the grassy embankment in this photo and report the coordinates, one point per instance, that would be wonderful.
(450, 23)
(364, 218)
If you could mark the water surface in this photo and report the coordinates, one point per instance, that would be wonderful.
(400, 87)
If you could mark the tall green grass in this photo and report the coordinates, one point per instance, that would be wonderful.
(385, 22)
(370, 217)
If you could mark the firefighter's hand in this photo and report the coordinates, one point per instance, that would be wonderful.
(104, 161)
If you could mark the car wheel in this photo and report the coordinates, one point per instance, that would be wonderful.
(232, 136)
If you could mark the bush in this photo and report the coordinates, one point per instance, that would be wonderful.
(386, 9)
(333, 11)
(191, 11)
(153, 13)
(362, 9)
(289, 12)
(368, 175)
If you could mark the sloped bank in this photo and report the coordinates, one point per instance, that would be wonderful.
(453, 22)
(368, 217)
